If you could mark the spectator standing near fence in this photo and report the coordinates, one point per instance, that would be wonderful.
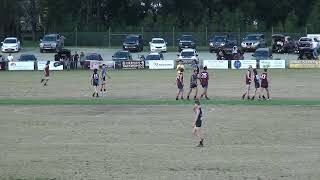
(67, 60)
(75, 60)
(82, 59)
(10, 57)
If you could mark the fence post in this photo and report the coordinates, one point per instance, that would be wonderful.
(239, 36)
(76, 36)
(173, 36)
(206, 35)
(109, 43)
(142, 32)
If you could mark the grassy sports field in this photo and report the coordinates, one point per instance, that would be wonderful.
(139, 131)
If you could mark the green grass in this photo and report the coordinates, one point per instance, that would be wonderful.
(280, 102)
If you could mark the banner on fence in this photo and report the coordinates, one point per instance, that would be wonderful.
(243, 64)
(25, 66)
(98, 64)
(53, 66)
(304, 64)
(161, 64)
(133, 65)
(216, 64)
(273, 64)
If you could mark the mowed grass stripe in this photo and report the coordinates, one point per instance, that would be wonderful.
(284, 102)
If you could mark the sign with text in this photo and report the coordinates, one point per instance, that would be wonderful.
(98, 64)
(21, 66)
(273, 64)
(243, 64)
(133, 65)
(216, 64)
(304, 64)
(53, 66)
(161, 64)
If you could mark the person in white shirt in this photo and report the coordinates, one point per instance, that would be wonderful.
(10, 57)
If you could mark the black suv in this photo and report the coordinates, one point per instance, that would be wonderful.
(133, 42)
(221, 42)
(186, 42)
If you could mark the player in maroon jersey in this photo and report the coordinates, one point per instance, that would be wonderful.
(248, 83)
(180, 84)
(265, 84)
(204, 80)
(45, 77)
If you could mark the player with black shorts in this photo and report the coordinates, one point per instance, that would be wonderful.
(95, 82)
(256, 84)
(204, 80)
(197, 123)
(265, 84)
(248, 83)
(193, 84)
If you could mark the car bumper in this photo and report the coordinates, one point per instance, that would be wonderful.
(187, 47)
(249, 48)
(131, 47)
(6, 49)
(158, 49)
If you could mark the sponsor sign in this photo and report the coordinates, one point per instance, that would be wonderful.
(243, 64)
(273, 64)
(133, 65)
(53, 66)
(304, 64)
(161, 64)
(15, 66)
(98, 64)
(216, 64)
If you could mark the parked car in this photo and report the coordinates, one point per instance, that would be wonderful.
(158, 44)
(188, 55)
(262, 54)
(91, 57)
(186, 42)
(153, 56)
(220, 42)
(133, 42)
(252, 42)
(10, 44)
(120, 56)
(306, 43)
(52, 42)
(27, 57)
(62, 54)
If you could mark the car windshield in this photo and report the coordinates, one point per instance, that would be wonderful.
(27, 58)
(92, 57)
(187, 53)
(219, 39)
(10, 41)
(252, 38)
(153, 57)
(187, 38)
(305, 39)
(261, 53)
(132, 38)
(49, 38)
(121, 55)
(158, 41)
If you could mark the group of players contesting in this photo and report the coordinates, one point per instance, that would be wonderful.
(261, 84)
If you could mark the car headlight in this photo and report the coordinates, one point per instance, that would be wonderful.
(41, 44)
(256, 43)
(180, 43)
(54, 45)
(211, 44)
(222, 44)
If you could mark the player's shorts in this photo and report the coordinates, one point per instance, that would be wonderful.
(103, 78)
(198, 123)
(264, 85)
(257, 85)
(180, 87)
(46, 77)
(204, 86)
(248, 82)
(193, 86)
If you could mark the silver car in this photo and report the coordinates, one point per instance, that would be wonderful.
(252, 42)
(52, 42)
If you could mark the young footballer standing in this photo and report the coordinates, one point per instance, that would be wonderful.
(204, 79)
(95, 82)
(248, 83)
(193, 84)
(256, 84)
(265, 84)
(103, 77)
(197, 122)
(180, 84)
(45, 77)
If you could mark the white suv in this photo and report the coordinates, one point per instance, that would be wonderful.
(158, 44)
(10, 44)
(188, 55)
